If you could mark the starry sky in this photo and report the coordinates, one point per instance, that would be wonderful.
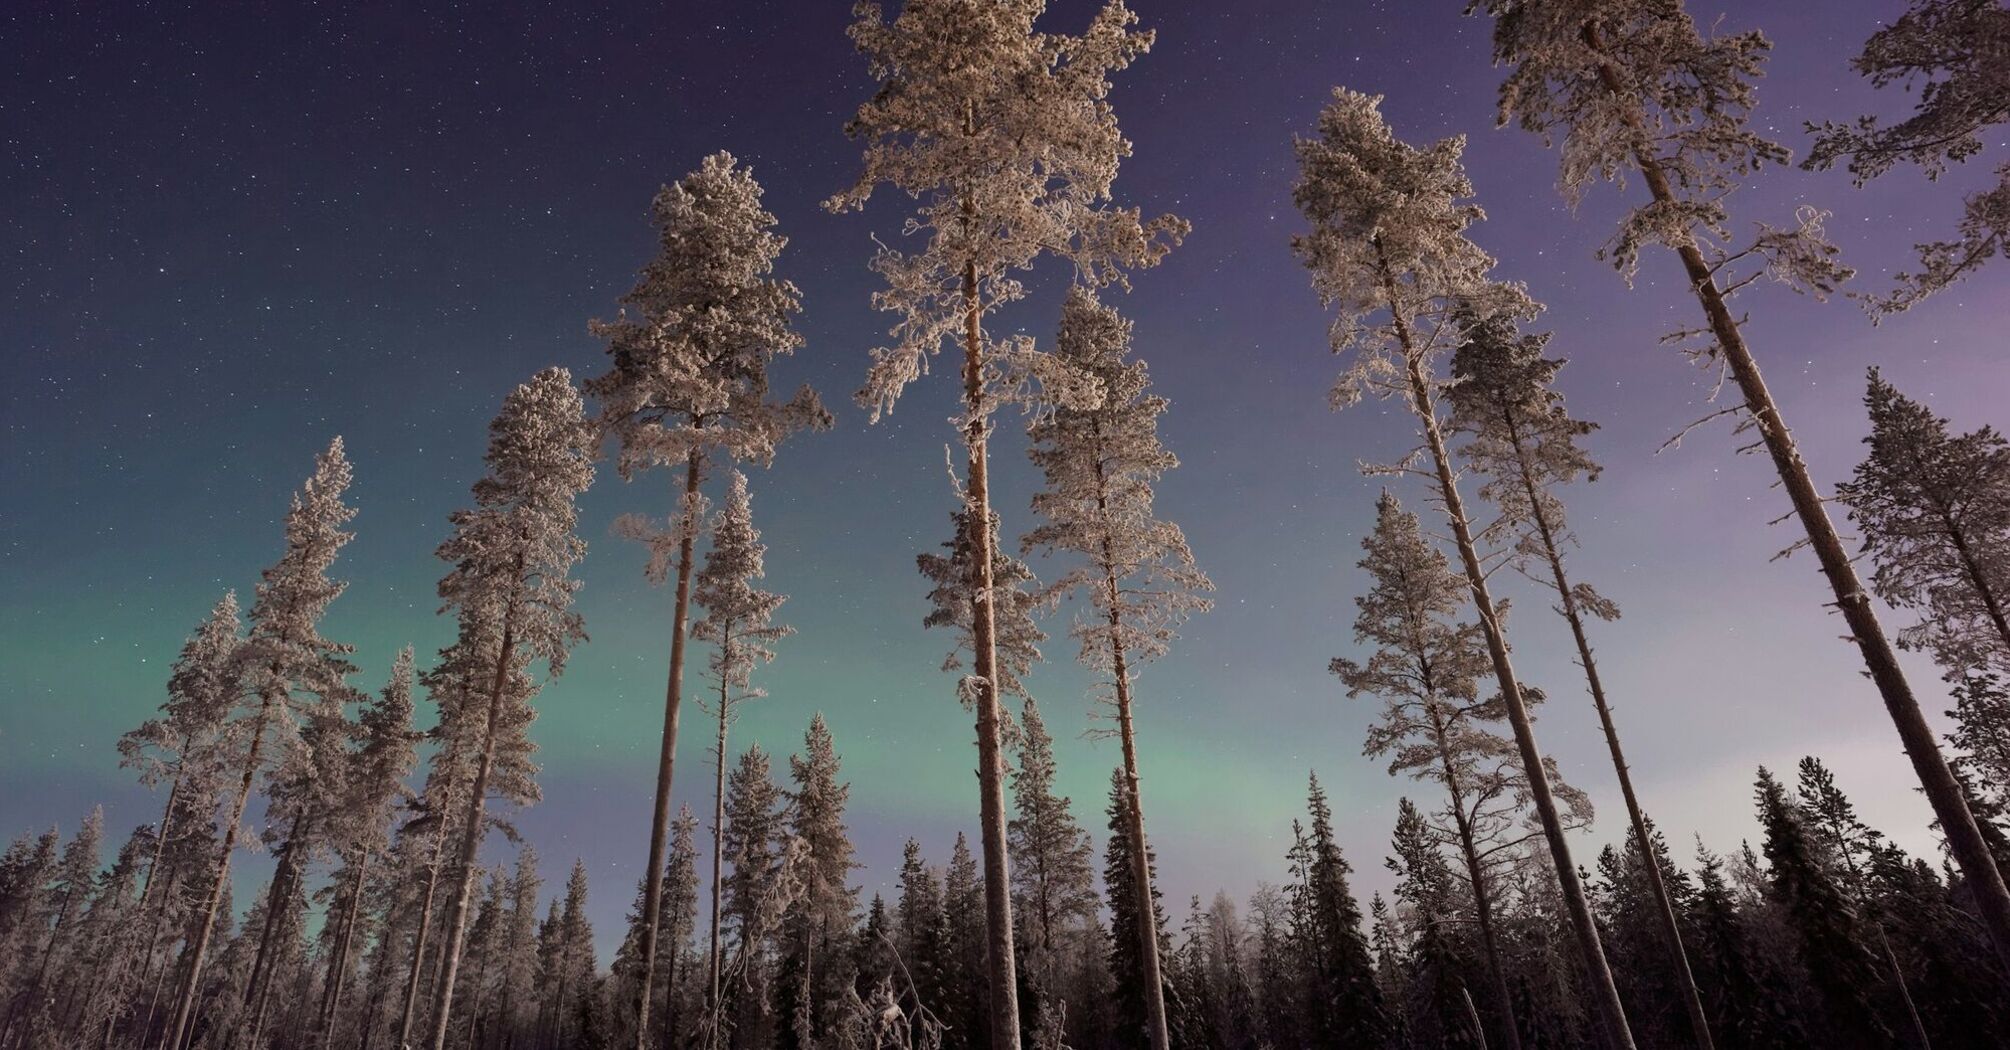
(233, 231)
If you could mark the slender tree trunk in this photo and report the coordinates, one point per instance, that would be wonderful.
(481, 983)
(121, 958)
(1671, 930)
(338, 970)
(471, 834)
(1473, 1016)
(1618, 1033)
(425, 931)
(666, 761)
(1134, 814)
(718, 832)
(184, 1010)
(1483, 908)
(34, 989)
(1003, 965)
(1957, 823)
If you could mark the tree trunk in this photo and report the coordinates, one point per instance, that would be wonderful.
(471, 835)
(1591, 952)
(1957, 823)
(666, 761)
(1134, 819)
(278, 920)
(185, 1001)
(1991, 602)
(121, 960)
(1671, 930)
(1004, 983)
(718, 831)
(1473, 1015)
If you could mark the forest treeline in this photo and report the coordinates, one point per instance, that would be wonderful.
(384, 795)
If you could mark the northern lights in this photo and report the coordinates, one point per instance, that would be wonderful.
(233, 235)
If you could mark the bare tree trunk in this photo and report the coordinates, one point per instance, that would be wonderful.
(185, 1001)
(1671, 930)
(1957, 823)
(718, 831)
(425, 931)
(1004, 984)
(666, 762)
(278, 921)
(1473, 1015)
(1134, 815)
(471, 835)
(1590, 951)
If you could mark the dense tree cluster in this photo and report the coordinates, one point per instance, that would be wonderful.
(393, 918)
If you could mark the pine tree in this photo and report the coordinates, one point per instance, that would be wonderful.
(520, 948)
(1005, 136)
(1432, 964)
(1016, 637)
(921, 933)
(68, 892)
(1052, 870)
(1388, 243)
(512, 590)
(1633, 84)
(286, 668)
(739, 621)
(383, 758)
(1825, 921)
(1524, 444)
(1435, 725)
(965, 1001)
(1934, 508)
(182, 748)
(1981, 735)
(688, 384)
(1956, 47)
(1100, 463)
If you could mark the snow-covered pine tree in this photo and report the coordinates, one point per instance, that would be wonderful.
(286, 668)
(1436, 725)
(1053, 871)
(1633, 84)
(1951, 53)
(739, 621)
(1934, 508)
(1100, 463)
(182, 749)
(1005, 135)
(1015, 598)
(817, 931)
(511, 588)
(1523, 444)
(1388, 250)
(384, 755)
(687, 385)
(30, 1018)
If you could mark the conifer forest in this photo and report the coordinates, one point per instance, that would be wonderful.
(931, 581)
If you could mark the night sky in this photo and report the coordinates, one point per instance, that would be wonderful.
(235, 231)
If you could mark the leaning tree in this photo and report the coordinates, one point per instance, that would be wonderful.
(1633, 85)
(1388, 251)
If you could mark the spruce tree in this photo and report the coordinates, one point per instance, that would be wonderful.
(1004, 135)
(1633, 84)
(687, 384)
(1825, 922)
(1344, 1005)
(1128, 902)
(818, 929)
(1052, 874)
